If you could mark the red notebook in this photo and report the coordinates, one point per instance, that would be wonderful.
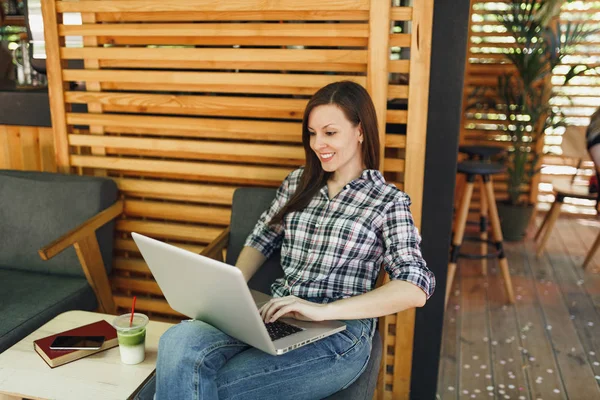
(55, 358)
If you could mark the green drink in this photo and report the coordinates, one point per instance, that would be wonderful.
(132, 338)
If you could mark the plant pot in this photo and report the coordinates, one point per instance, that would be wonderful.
(514, 220)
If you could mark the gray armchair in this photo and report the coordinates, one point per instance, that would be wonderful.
(248, 204)
(41, 216)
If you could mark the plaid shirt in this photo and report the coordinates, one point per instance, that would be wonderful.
(334, 248)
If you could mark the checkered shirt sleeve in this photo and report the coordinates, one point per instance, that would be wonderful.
(268, 238)
(402, 257)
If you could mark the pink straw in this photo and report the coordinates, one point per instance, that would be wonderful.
(132, 311)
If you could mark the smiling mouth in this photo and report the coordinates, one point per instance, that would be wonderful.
(326, 156)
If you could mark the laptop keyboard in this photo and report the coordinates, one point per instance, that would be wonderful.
(279, 329)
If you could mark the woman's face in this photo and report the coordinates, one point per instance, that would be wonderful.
(334, 139)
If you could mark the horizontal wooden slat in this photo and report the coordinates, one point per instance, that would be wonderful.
(136, 285)
(215, 88)
(250, 15)
(178, 212)
(145, 304)
(192, 148)
(185, 155)
(401, 13)
(192, 127)
(14, 20)
(224, 29)
(118, 6)
(135, 265)
(213, 81)
(192, 105)
(389, 379)
(254, 65)
(202, 193)
(209, 55)
(236, 40)
(196, 234)
(399, 66)
(397, 91)
(130, 246)
(393, 165)
(395, 141)
(491, 69)
(396, 116)
(399, 40)
(391, 339)
(200, 170)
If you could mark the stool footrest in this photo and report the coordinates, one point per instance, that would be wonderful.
(492, 255)
(478, 239)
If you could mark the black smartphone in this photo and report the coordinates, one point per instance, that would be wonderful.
(77, 343)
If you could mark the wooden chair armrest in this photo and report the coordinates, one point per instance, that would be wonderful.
(84, 230)
(215, 249)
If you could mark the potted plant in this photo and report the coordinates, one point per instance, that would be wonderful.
(523, 94)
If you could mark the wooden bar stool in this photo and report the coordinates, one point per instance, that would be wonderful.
(472, 169)
(483, 153)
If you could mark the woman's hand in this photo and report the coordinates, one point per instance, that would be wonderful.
(292, 307)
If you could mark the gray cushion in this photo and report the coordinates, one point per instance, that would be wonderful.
(37, 208)
(28, 300)
(248, 204)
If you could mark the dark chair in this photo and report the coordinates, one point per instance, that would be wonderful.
(45, 215)
(248, 204)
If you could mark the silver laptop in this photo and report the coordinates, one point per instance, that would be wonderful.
(216, 293)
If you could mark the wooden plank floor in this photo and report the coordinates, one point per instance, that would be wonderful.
(547, 345)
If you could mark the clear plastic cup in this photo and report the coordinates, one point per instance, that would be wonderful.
(132, 339)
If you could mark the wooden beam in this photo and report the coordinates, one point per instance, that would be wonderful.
(420, 63)
(207, 81)
(420, 60)
(377, 69)
(91, 261)
(56, 85)
(118, 6)
(192, 15)
(210, 55)
(318, 30)
(208, 171)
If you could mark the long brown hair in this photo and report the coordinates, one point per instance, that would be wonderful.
(358, 107)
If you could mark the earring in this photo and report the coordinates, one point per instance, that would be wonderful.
(360, 141)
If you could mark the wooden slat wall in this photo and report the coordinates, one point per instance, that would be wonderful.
(188, 100)
(27, 148)
(485, 61)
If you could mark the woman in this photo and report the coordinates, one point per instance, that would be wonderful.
(337, 222)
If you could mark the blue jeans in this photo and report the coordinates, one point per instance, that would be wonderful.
(198, 361)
